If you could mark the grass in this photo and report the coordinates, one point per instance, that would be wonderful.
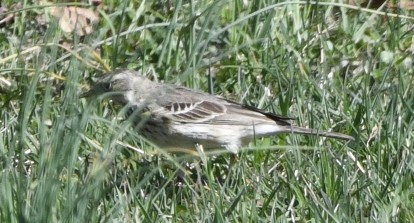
(333, 66)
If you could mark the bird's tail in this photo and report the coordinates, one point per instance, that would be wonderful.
(307, 131)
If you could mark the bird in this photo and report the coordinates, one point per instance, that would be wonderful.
(179, 118)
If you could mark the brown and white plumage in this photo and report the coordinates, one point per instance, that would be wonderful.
(179, 118)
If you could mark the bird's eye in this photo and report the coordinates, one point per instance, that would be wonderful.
(107, 86)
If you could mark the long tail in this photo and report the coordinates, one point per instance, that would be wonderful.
(306, 131)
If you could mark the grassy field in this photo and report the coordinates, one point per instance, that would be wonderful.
(331, 65)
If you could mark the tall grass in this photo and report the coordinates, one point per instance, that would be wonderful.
(333, 66)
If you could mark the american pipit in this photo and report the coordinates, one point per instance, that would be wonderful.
(174, 117)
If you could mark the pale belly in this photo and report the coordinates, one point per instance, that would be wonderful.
(187, 136)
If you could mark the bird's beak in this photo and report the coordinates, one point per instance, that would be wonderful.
(86, 94)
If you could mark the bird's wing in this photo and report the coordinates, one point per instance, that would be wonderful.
(191, 112)
(185, 105)
(189, 106)
(250, 111)
(249, 114)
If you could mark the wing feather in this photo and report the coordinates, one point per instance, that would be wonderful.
(191, 106)
(202, 111)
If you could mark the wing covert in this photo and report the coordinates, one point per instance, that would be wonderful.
(201, 111)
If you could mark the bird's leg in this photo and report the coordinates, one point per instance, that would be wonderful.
(192, 169)
(234, 157)
(186, 170)
(180, 175)
(203, 158)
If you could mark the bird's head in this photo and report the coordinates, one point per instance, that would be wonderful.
(119, 85)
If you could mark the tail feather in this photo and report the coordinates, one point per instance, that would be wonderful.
(306, 131)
